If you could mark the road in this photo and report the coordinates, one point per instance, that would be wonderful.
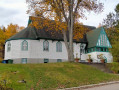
(105, 87)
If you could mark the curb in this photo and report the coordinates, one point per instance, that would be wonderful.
(90, 86)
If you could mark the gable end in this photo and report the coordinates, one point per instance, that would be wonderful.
(103, 40)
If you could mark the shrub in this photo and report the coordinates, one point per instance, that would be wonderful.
(115, 67)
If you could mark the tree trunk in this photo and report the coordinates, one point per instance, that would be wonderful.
(71, 32)
(69, 43)
(3, 51)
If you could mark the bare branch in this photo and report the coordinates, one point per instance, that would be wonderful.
(75, 11)
(62, 6)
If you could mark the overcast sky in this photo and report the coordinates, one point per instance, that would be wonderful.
(14, 11)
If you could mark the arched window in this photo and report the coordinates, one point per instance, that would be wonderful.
(8, 46)
(46, 46)
(59, 47)
(24, 45)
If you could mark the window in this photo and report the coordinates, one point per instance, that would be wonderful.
(46, 46)
(59, 60)
(97, 49)
(59, 47)
(24, 45)
(106, 49)
(82, 50)
(101, 49)
(93, 49)
(89, 49)
(24, 60)
(8, 46)
(46, 60)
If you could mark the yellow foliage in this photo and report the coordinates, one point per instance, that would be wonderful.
(79, 31)
(11, 30)
(7, 33)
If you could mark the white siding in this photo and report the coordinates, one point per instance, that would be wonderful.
(106, 54)
(35, 50)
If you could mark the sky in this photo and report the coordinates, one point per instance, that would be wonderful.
(14, 11)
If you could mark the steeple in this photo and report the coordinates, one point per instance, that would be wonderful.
(29, 21)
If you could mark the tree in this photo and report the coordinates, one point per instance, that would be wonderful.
(65, 12)
(111, 24)
(6, 33)
(11, 30)
(2, 40)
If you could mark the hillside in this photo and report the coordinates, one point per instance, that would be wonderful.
(51, 76)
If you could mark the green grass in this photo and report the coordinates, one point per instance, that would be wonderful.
(52, 76)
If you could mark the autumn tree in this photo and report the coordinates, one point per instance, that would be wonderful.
(111, 24)
(2, 41)
(66, 12)
(6, 33)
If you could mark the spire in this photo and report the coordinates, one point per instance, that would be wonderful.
(29, 21)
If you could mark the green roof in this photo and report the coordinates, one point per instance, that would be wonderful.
(92, 37)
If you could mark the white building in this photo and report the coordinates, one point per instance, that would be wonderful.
(39, 46)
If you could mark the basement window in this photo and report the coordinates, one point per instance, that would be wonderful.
(46, 60)
(59, 60)
(24, 60)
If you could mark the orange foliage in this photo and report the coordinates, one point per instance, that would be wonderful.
(54, 14)
(79, 31)
(12, 30)
(7, 33)
(50, 25)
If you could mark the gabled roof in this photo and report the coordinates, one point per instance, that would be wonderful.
(92, 37)
(103, 40)
(98, 38)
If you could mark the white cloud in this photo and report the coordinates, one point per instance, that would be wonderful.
(13, 11)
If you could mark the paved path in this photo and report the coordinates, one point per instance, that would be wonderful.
(105, 87)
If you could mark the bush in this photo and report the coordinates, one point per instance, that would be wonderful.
(114, 67)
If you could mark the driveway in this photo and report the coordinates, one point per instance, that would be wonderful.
(105, 87)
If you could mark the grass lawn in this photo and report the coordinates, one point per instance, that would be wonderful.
(51, 76)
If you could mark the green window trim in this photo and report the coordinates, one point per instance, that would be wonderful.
(46, 48)
(97, 49)
(46, 60)
(24, 60)
(103, 40)
(8, 47)
(59, 60)
(23, 46)
(58, 47)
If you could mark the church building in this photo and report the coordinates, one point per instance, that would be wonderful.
(39, 46)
